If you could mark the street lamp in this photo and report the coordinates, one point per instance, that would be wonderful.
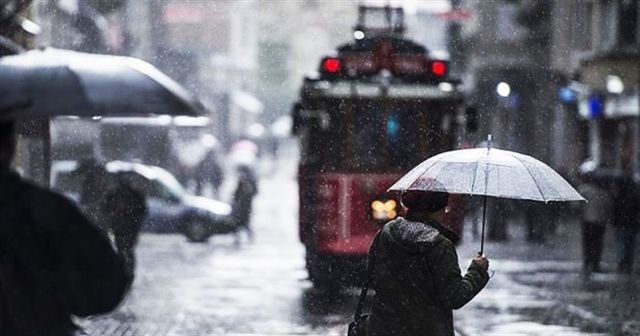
(614, 84)
(503, 89)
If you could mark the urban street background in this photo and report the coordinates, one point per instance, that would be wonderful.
(555, 79)
(261, 288)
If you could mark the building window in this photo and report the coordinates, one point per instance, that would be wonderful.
(508, 29)
(582, 30)
(627, 22)
(607, 25)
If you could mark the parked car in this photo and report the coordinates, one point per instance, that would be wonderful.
(171, 208)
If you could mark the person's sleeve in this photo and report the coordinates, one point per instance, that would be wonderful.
(453, 289)
(96, 280)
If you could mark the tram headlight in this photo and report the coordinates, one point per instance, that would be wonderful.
(384, 209)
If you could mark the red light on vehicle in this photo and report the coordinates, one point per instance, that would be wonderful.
(438, 68)
(332, 65)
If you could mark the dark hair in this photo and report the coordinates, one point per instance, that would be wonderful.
(425, 201)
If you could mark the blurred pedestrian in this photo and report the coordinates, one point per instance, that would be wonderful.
(626, 198)
(209, 172)
(124, 210)
(244, 153)
(596, 213)
(243, 196)
(54, 264)
(94, 181)
(416, 275)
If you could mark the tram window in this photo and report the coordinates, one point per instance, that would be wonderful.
(403, 142)
(393, 127)
(366, 137)
(373, 136)
(389, 136)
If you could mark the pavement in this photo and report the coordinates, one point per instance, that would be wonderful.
(261, 287)
(539, 289)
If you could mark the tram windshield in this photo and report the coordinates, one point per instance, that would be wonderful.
(374, 136)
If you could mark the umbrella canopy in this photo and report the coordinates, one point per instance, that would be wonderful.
(489, 172)
(53, 82)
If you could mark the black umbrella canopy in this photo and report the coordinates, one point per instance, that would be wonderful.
(53, 82)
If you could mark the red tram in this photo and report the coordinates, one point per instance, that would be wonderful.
(376, 109)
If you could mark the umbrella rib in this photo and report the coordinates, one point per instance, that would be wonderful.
(473, 184)
(424, 172)
(532, 177)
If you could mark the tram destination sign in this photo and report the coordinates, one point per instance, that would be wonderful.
(343, 89)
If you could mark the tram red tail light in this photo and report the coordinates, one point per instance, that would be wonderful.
(332, 65)
(438, 68)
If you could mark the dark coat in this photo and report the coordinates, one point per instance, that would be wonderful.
(626, 197)
(243, 196)
(418, 282)
(124, 210)
(53, 262)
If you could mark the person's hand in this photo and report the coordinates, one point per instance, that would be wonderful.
(482, 261)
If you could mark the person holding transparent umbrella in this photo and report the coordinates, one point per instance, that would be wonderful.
(416, 275)
(485, 172)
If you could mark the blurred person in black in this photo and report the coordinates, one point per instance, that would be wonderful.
(124, 211)
(54, 264)
(94, 181)
(625, 221)
(243, 200)
(626, 197)
(596, 213)
(210, 172)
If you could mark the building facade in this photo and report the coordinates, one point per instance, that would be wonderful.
(610, 84)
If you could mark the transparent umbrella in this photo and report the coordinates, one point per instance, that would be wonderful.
(488, 172)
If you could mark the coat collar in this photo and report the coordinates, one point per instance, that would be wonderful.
(423, 218)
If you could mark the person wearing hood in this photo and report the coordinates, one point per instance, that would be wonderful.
(416, 277)
(54, 264)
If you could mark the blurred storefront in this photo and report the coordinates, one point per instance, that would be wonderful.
(611, 103)
(608, 97)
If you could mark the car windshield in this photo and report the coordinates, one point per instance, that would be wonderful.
(170, 184)
(152, 181)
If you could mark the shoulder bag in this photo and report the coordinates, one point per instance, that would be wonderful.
(360, 322)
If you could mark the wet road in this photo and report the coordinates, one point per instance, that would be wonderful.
(221, 287)
(260, 287)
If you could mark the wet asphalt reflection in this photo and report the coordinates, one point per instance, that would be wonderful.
(226, 287)
(260, 288)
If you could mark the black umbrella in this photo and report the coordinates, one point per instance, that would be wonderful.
(54, 82)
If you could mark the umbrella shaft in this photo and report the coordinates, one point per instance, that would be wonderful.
(484, 213)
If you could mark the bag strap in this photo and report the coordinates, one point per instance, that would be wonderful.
(367, 282)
